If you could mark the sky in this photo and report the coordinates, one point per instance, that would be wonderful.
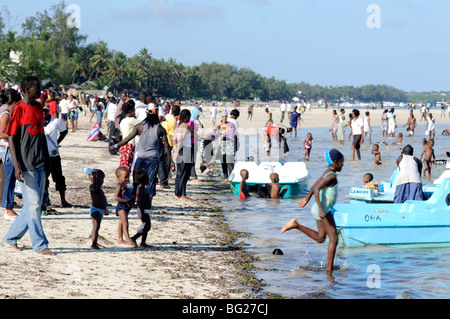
(403, 43)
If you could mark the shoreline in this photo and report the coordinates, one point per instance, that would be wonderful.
(314, 118)
(193, 254)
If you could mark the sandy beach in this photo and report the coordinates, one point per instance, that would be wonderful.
(319, 117)
(192, 255)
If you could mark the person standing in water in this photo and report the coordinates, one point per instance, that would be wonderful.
(409, 183)
(325, 191)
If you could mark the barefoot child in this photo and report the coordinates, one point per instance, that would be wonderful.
(399, 140)
(429, 158)
(243, 189)
(308, 146)
(144, 204)
(125, 196)
(377, 153)
(325, 193)
(99, 204)
(273, 190)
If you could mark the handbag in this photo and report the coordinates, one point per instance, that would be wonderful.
(286, 147)
(55, 152)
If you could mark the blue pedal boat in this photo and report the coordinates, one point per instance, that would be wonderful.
(385, 192)
(293, 175)
(410, 223)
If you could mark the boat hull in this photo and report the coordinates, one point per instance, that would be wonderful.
(409, 223)
(360, 194)
(393, 229)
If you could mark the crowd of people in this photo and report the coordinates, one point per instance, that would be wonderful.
(160, 141)
(153, 140)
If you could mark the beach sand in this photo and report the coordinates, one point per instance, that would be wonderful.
(192, 255)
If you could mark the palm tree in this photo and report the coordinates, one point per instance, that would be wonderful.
(99, 61)
(144, 63)
(116, 67)
(132, 78)
(81, 67)
(144, 55)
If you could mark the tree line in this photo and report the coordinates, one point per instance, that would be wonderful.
(49, 49)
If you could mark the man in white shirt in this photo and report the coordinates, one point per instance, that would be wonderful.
(430, 126)
(423, 110)
(392, 123)
(91, 103)
(53, 126)
(289, 107)
(111, 113)
(160, 110)
(213, 114)
(283, 111)
(64, 105)
(357, 127)
(367, 129)
(140, 106)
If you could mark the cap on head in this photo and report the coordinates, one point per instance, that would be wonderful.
(332, 156)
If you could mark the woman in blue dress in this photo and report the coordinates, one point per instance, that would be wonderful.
(295, 117)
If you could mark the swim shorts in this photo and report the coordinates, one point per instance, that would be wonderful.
(95, 209)
(139, 213)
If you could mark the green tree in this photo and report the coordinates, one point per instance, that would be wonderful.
(100, 60)
(54, 29)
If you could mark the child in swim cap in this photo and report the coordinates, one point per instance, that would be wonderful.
(325, 193)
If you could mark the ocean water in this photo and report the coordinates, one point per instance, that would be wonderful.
(361, 273)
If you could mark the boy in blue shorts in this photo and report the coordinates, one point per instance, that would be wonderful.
(126, 198)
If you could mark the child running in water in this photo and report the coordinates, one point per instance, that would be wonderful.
(308, 146)
(99, 204)
(144, 203)
(125, 196)
(325, 193)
